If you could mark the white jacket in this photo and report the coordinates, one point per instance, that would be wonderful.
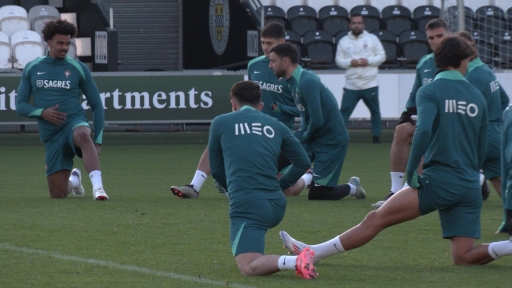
(366, 46)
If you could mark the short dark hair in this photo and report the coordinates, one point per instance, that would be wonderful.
(465, 35)
(59, 26)
(246, 92)
(451, 50)
(273, 30)
(286, 50)
(436, 23)
(355, 15)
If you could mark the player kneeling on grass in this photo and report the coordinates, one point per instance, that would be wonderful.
(57, 82)
(451, 113)
(244, 147)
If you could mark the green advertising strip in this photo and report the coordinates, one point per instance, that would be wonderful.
(144, 98)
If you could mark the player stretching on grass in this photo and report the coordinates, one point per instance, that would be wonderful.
(243, 150)
(451, 113)
(57, 82)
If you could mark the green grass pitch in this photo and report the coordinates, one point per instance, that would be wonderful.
(145, 237)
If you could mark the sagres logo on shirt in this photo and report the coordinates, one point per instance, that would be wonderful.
(462, 107)
(53, 84)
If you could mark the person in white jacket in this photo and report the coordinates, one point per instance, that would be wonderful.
(361, 53)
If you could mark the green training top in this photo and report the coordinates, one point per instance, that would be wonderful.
(506, 158)
(425, 73)
(243, 150)
(321, 120)
(273, 90)
(451, 131)
(58, 81)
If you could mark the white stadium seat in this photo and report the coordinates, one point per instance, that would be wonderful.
(26, 46)
(40, 14)
(13, 18)
(5, 51)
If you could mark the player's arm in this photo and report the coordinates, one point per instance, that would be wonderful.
(342, 59)
(286, 109)
(294, 151)
(504, 100)
(215, 155)
(507, 140)
(93, 97)
(427, 111)
(310, 94)
(379, 53)
(23, 107)
(411, 102)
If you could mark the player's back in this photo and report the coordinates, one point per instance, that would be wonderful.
(482, 77)
(457, 128)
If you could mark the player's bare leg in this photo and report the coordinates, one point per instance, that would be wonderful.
(58, 184)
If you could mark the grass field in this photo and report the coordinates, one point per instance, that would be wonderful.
(144, 237)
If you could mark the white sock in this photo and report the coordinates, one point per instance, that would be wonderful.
(307, 178)
(397, 180)
(327, 249)
(96, 179)
(198, 180)
(287, 262)
(499, 249)
(482, 179)
(74, 180)
(352, 189)
(405, 185)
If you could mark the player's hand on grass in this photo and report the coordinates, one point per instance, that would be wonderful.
(52, 115)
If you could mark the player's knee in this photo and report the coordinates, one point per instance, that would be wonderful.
(404, 132)
(81, 136)
(246, 270)
(58, 193)
(459, 260)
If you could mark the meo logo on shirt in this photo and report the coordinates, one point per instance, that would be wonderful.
(454, 106)
(255, 128)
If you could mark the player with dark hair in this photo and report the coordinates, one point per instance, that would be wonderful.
(451, 113)
(256, 202)
(436, 30)
(56, 83)
(277, 102)
(322, 130)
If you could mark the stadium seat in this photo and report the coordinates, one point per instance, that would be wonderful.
(423, 14)
(27, 4)
(40, 14)
(397, 18)
(274, 14)
(26, 46)
(509, 17)
(13, 18)
(319, 48)
(451, 14)
(486, 50)
(371, 15)
(490, 19)
(503, 41)
(414, 45)
(340, 35)
(302, 19)
(388, 40)
(5, 51)
(7, 2)
(295, 39)
(333, 18)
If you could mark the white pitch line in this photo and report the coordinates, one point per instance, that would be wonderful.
(10, 247)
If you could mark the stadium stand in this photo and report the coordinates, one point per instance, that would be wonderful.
(295, 39)
(371, 15)
(275, 14)
(509, 17)
(503, 41)
(5, 51)
(40, 14)
(340, 35)
(423, 14)
(302, 18)
(485, 47)
(320, 49)
(397, 18)
(388, 40)
(450, 14)
(13, 18)
(490, 19)
(414, 45)
(26, 46)
(333, 18)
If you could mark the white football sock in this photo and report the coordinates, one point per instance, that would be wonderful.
(405, 185)
(96, 179)
(397, 180)
(353, 189)
(287, 262)
(327, 249)
(499, 249)
(198, 180)
(307, 178)
(74, 180)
